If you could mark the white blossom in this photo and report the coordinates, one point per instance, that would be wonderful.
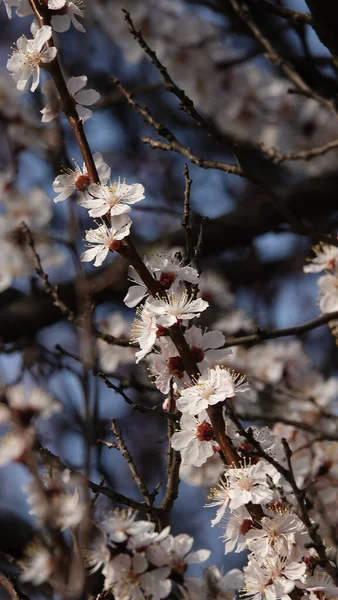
(78, 180)
(33, 208)
(110, 355)
(167, 364)
(176, 305)
(63, 13)
(126, 576)
(14, 445)
(215, 385)
(105, 239)
(277, 533)
(249, 484)
(144, 332)
(169, 270)
(206, 347)
(328, 287)
(326, 258)
(123, 524)
(29, 57)
(9, 4)
(236, 529)
(114, 199)
(35, 402)
(175, 552)
(194, 440)
(37, 565)
(219, 496)
(80, 96)
(64, 507)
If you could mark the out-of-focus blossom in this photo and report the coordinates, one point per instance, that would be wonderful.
(111, 356)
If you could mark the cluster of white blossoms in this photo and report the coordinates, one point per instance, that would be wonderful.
(254, 503)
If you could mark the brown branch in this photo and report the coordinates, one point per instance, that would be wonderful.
(175, 146)
(186, 214)
(265, 334)
(53, 292)
(68, 104)
(243, 12)
(286, 13)
(139, 407)
(186, 104)
(173, 465)
(320, 436)
(49, 457)
(122, 447)
(278, 157)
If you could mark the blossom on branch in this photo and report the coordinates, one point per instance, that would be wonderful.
(105, 239)
(175, 306)
(215, 385)
(144, 332)
(326, 258)
(29, 57)
(63, 13)
(78, 180)
(195, 440)
(80, 97)
(111, 200)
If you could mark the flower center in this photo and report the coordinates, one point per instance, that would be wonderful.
(204, 432)
(246, 525)
(167, 279)
(82, 182)
(197, 353)
(176, 367)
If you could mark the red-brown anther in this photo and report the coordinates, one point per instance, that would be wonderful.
(270, 582)
(167, 279)
(176, 366)
(204, 432)
(161, 331)
(115, 245)
(197, 353)
(82, 183)
(324, 468)
(246, 525)
(25, 416)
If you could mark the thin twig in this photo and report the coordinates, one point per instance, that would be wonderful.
(122, 447)
(262, 335)
(243, 12)
(174, 144)
(68, 105)
(139, 407)
(286, 13)
(186, 214)
(173, 466)
(49, 457)
(52, 290)
(278, 157)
